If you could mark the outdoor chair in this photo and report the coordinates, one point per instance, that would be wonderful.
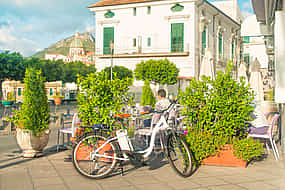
(67, 129)
(269, 135)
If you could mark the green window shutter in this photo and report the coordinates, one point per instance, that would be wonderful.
(220, 44)
(134, 42)
(135, 11)
(108, 37)
(204, 40)
(148, 10)
(233, 49)
(50, 92)
(148, 41)
(246, 39)
(177, 37)
(19, 91)
(246, 58)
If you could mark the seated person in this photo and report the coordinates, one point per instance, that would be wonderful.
(260, 124)
(160, 105)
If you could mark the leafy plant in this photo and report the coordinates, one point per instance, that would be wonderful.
(34, 112)
(219, 108)
(248, 149)
(147, 95)
(99, 98)
(121, 72)
(157, 71)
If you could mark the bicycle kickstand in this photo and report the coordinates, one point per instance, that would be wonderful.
(121, 167)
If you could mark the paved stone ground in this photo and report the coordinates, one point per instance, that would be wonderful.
(55, 171)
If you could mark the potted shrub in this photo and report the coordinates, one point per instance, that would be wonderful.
(32, 119)
(217, 112)
(9, 100)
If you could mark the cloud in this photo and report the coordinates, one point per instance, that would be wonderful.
(246, 5)
(246, 14)
(9, 41)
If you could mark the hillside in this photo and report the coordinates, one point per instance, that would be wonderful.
(63, 45)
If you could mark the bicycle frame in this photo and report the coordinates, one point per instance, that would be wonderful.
(161, 125)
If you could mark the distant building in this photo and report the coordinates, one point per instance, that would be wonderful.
(254, 47)
(77, 52)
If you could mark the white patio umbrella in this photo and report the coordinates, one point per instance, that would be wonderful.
(255, 81)
(207, 66)
(242, 73)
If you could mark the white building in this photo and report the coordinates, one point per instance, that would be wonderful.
(254, 48)
(177, 30)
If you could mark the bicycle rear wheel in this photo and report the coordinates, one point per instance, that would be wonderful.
(97, 167)
(179, 155)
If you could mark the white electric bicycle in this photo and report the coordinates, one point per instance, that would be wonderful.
(96, 153)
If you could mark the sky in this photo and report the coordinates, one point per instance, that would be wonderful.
(28, 26)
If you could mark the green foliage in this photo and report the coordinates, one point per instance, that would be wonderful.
(157, 71)
(248, 149)
(203, 143)
(147, 95)
(11, 67)
(99, 97)
(121, 72)
(218, 107)
(34, 112)
(11, 96)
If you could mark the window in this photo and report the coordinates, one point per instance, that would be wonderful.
(135, 11)
(107, 39)
(204, 40)
(109, 14)
(246, 39)
(177, 37)
(148, 41)
(233, 49)
(246, 58)
(220, 44)
(134, 42)
(50, 92)
(148, 10)
(19, 91)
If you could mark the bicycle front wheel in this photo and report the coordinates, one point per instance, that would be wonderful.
(179, 155)
(93, 166)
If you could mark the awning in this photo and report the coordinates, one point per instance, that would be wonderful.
(264, 9)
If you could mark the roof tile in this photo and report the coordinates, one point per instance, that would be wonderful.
(118, 2)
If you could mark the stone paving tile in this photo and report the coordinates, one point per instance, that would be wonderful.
(257, 185)
(80, 182)
(46, 181)
(279, 183)
(53, 187)
(208, 181)
(182, 184)
(154, 187)
(144, 179)
(16, 180)
(234, 179)
(227, 187)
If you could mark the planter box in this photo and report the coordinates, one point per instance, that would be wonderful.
(225, 157)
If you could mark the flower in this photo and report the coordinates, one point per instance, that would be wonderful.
(11, 116)
(186, 132)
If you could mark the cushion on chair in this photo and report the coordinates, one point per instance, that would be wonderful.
(259, 130)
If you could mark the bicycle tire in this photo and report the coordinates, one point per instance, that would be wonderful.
(178, 152)
(98, 167)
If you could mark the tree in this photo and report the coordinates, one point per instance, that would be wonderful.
(121, 71)
(147, 95)
(11, 67)
(157, 71)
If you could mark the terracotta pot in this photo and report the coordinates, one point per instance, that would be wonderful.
(57, 100)
(225, 157)
(32, 146)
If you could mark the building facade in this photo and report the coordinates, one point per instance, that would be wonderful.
(128, 32)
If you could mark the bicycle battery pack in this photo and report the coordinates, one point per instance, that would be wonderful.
(124, 140)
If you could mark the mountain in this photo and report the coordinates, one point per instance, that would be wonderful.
(62, 46)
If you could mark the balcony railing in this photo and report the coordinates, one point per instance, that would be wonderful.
(143, 52)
